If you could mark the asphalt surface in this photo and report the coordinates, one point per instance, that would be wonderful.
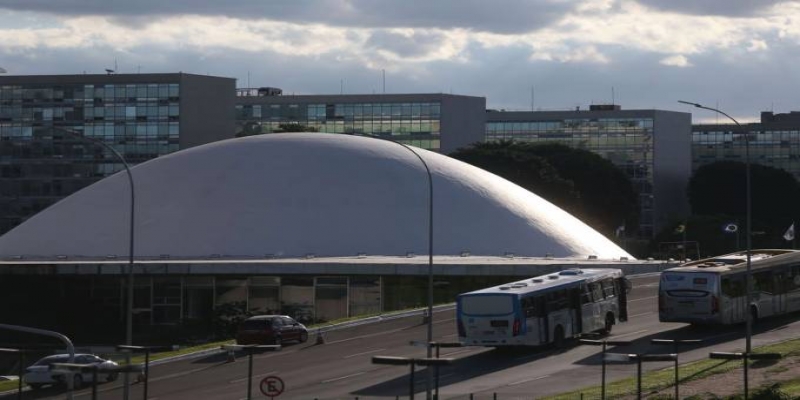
(342, 368)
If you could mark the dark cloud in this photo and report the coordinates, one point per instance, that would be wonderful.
(502, 16)
(416, 44)
(731, 8)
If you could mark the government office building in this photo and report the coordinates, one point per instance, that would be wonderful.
(433, 121)
(142, 116)
(773, 142)
(652, 147)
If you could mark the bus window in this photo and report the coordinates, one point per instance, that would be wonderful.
(597, 291)
(557, 300)
(608, 288)
(586, 295)
(733, 286)
(794, 283)
(528, 307)
(762, 282)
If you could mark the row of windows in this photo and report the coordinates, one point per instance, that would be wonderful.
(393, 128)
(569, 125)
(130, 112)
(109, 91)
(107, 130)
(342, 111)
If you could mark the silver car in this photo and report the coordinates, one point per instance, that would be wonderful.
(41, 373)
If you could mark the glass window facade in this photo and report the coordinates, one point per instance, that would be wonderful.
(416, 124)
(626, 142)
(778, 148)
(39, 164)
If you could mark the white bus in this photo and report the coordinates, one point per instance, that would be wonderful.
(712, 291)
(542, 310)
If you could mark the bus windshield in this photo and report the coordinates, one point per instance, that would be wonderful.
(487, 305)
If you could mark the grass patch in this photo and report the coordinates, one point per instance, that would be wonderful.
(8, 385)
(664, 378)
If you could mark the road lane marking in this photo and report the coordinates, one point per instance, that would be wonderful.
(443, 320)
(639, 315)
(366, 336)
(528, 380)
(179, 374)
(643, 298)
(628, 334)
(457, 352)
(343, 377)
(361, 354)
(254, 376)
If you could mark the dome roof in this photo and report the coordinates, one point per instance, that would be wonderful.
(289, 195)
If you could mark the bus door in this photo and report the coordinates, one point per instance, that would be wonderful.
(588, 310)
(733, 299)
(763, 293)
(779, 292)
(535, 327)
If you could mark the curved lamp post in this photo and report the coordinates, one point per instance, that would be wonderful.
(748, 216)
(430, 257)
(129, 311)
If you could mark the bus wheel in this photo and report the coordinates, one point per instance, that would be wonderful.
(609, 323)
(558, 337)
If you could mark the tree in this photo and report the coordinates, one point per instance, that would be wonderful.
(579, 181)
(720, 188)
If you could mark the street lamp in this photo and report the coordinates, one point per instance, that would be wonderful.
(430, 259)
(748, 216)
(129, 313)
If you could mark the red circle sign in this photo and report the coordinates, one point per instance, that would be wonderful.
(271, 386)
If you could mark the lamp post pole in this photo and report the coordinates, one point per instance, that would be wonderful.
(129, 312)
(748, 222)
(129, 308)
(430, 263)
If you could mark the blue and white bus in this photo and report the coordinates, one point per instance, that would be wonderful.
(545, 309)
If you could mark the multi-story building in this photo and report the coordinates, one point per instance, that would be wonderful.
(438, 122)
(651, 146)
(774, 142)
(42, 156)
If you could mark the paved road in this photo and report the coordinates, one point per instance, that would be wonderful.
(342, 368)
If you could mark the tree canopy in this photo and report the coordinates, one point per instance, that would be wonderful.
(579, 181)
(720, 189)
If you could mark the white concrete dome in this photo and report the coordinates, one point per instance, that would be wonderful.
(290, 195)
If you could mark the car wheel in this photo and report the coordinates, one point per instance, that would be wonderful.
(278, 339)
(35, 386)
(77, 381)
(303, 337)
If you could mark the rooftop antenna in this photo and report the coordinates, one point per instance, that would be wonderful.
(109, 71)
(341, 86)
(532, 97)
(115, 64)
(383, 72)
(248, 79)
(613, 99)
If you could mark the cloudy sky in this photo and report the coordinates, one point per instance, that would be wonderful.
(742, 56)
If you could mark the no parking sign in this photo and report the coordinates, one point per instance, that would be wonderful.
(271, 386)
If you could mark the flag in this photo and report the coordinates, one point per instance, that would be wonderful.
(620, 230)
(730, 228)
(680, 228)
(789, 235)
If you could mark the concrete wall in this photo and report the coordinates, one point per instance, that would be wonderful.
(672, 134)
(463, 122)
(207, 109)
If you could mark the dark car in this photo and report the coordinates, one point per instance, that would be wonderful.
(271, 329)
